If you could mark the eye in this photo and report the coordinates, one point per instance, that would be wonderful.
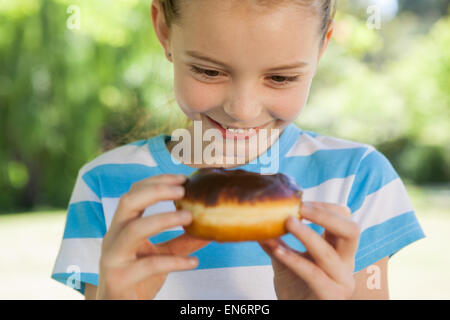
(212, 74)
(284, 80)
(205, 73)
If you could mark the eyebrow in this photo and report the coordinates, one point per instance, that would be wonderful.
(198, 55)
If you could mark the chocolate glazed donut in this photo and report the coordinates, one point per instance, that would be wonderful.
(238, 205)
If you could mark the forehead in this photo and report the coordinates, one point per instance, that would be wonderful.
(235, 30)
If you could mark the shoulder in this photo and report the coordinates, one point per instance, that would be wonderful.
(111, 173)
(367, 165)
(331, 169)
(331, 152)
(336, 163)
(309, 142)
(136, 152)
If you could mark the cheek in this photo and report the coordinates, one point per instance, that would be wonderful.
(289, 105)
(195, 97)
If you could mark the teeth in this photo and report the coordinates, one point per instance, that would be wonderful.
(241, 131)
(237, 130)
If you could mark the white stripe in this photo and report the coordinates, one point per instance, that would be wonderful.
(82, 192)
(240, 283)
(386, 203)
(307, 145)
(333, 190)
(110, 207)
(128, 154)
(84, 253)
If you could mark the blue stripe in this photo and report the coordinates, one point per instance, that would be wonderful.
(233, 254)
(374, 245)
(85, 220)
(322, 165)
(116, 179)
(374, 172)
(387, 238)
(310, 171)
(138, 143)
(384, 232)
(84, 278)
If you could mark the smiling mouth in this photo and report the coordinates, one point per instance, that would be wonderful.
(236, 129)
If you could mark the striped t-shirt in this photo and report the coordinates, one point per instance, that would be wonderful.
(328, 169)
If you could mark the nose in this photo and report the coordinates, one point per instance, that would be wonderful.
(243, 104)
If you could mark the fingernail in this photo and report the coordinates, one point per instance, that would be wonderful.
(280, 250)
(306, 207)
(179, 190)
(294, 221)
(185, 214)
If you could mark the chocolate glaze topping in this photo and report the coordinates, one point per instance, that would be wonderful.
(209, 185)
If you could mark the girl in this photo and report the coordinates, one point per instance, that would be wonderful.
(239, 64)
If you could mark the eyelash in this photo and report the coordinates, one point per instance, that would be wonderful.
(202, 73)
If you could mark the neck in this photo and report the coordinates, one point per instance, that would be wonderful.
(225, 153)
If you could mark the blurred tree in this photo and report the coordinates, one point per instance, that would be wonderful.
(67, 95)
(435, 8)
(398, 99)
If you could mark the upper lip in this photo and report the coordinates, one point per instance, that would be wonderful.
(234, 127)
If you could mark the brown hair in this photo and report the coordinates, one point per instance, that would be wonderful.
(326, 10)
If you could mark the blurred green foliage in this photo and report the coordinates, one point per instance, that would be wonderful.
(392, 91)
(80, 77)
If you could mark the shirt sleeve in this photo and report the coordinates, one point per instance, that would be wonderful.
(381, 206)
(77, 262)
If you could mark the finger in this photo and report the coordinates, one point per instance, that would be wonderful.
(336, 221)
(164, 178)
(134, 233)
(273, 243)
(184, 245)
(315, 277)
(270, 245)
(170, 179)
(153, 265)
(133, 203)
(320, 250)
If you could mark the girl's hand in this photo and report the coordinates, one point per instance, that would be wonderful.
(131, 267)
(325, 270)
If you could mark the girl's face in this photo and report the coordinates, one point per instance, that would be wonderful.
(241, 65)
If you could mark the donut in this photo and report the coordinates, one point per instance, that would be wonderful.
(229, 205)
